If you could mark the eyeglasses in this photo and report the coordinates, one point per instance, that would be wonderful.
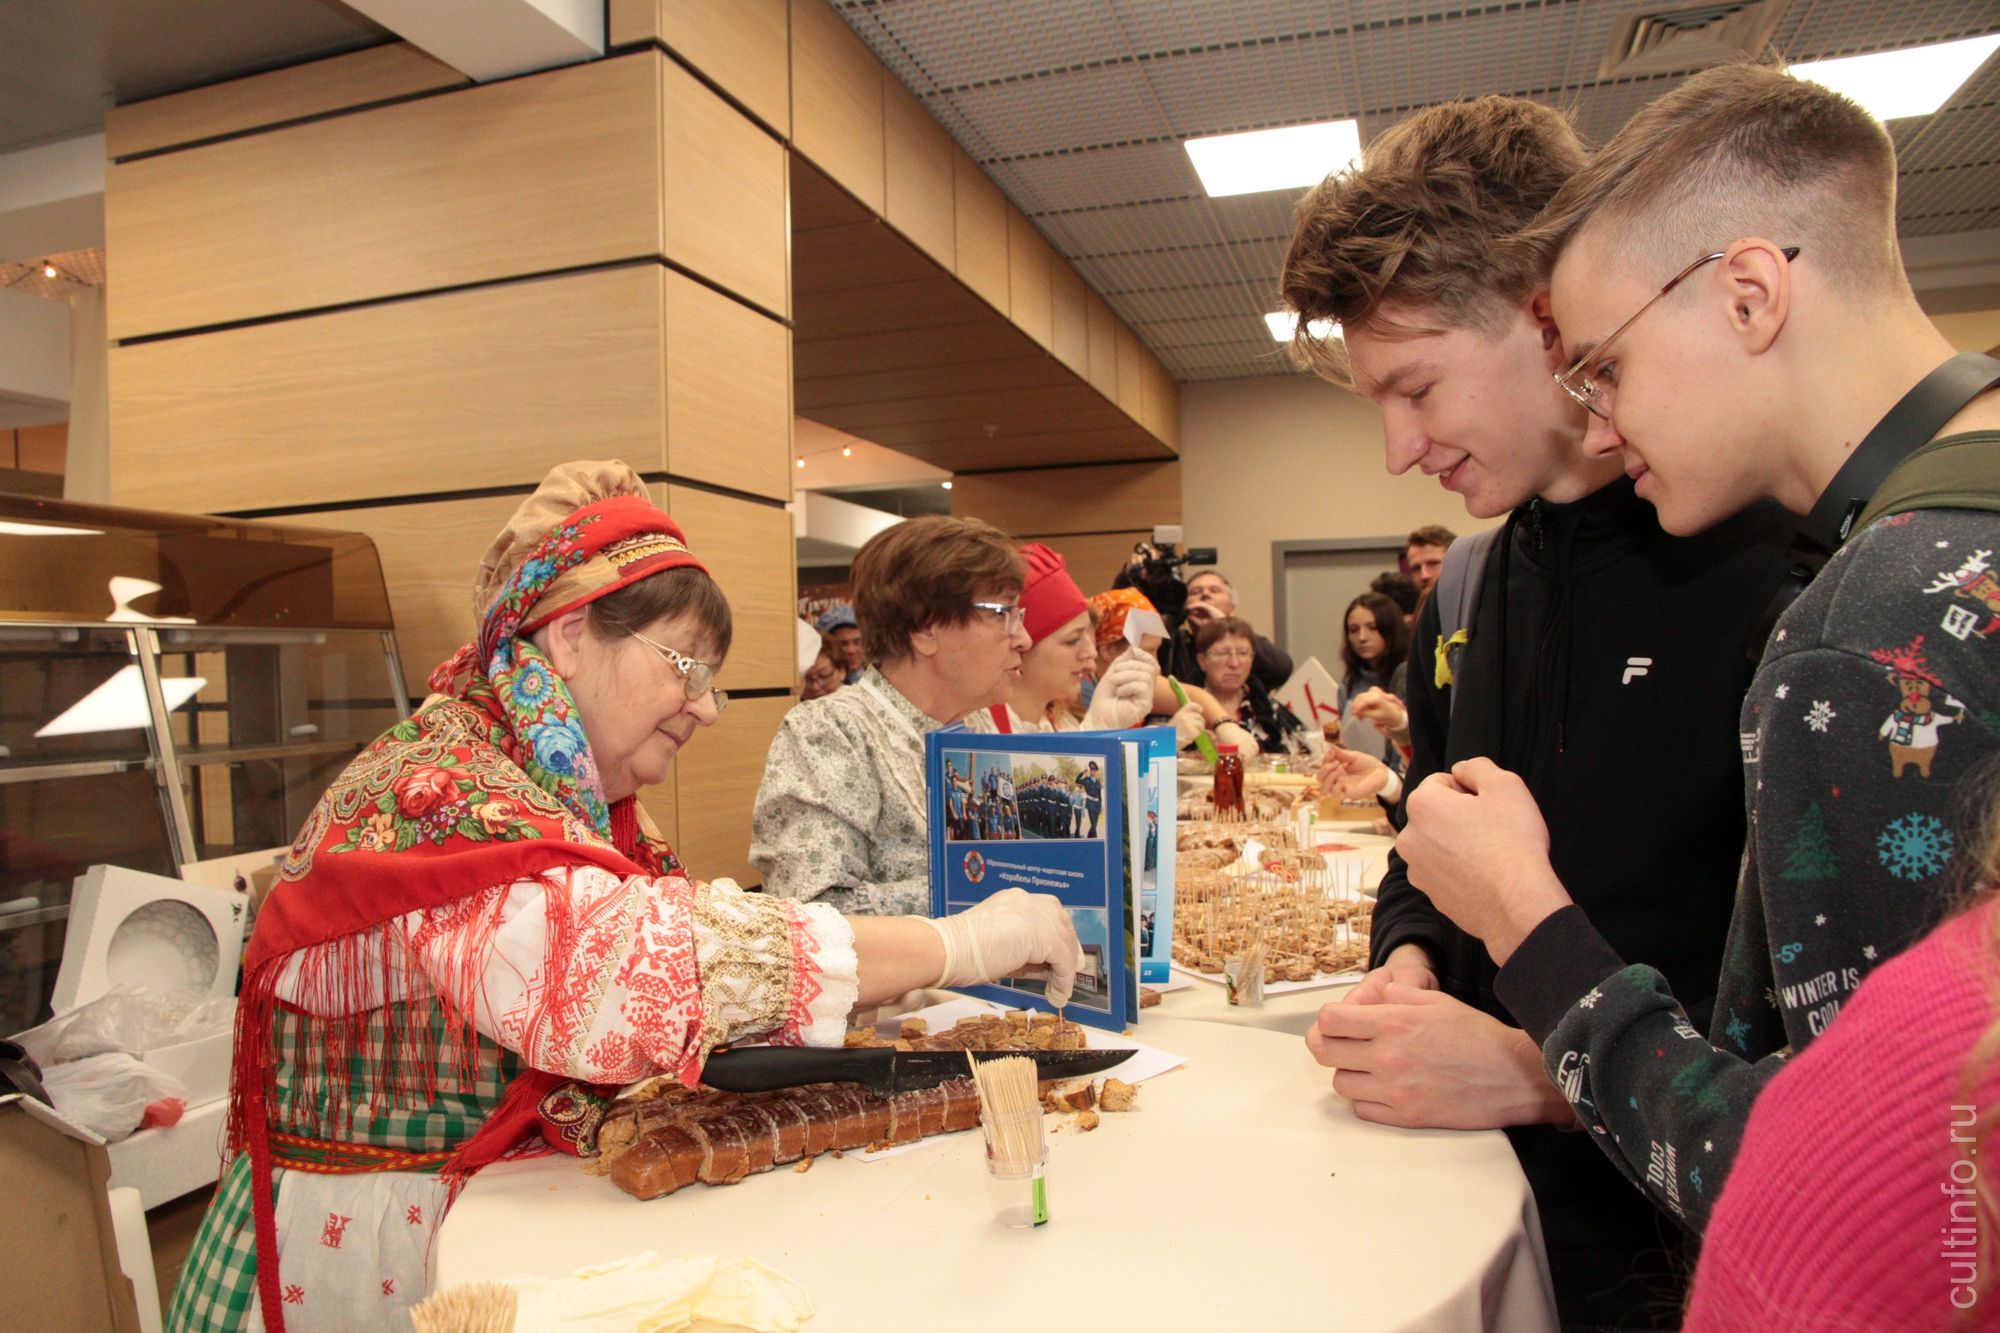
(700, 676)
(1230, 654)
(1595, 394)
(1012, 617)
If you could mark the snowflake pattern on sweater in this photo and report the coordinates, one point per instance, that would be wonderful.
(1878, 692)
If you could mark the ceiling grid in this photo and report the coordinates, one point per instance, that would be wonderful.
(1078, 108)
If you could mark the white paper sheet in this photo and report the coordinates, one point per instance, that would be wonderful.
(1320, 982)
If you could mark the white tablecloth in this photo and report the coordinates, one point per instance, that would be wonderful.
(1241, 1195)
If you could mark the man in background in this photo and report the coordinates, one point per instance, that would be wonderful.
(1211, 597)
(1423, 556)
(839, 625)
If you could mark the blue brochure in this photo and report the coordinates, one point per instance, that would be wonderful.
(1151, 846)
(1045, 812)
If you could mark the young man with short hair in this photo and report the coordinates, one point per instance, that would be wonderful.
(1728, 279)
(1423, 554)
(1453, 341)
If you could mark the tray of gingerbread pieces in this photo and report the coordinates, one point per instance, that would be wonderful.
(665, 1137)
(1305, 907)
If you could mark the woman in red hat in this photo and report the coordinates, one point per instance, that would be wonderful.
(477, 914)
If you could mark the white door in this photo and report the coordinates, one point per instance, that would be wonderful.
(1315, 591)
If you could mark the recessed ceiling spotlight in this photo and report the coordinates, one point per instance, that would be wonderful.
(945, 484)
(48, 269)
(1914, 81)
(1290, 158)
(798, 462)
(847, 451)
(1283, 322)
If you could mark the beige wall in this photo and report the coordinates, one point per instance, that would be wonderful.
(1291, 458)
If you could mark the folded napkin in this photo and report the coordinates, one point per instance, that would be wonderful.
(648, 1294)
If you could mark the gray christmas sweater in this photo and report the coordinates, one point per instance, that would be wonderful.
(1878, 692)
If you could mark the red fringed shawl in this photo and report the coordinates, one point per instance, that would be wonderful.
(492, 785)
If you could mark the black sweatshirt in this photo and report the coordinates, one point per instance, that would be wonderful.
(1605, 664)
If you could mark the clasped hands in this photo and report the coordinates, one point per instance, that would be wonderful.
(1404, 1052)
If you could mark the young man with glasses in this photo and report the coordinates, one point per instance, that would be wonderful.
(1453, 341)
(1727, 275)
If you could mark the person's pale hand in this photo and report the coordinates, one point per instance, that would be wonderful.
(1423, 1060)
(1351, 775)
(1012, 933)
(1187, 726)
(1231, 733)
(1406, 965)
(1124, 692)
(1201, 613)
(1383, 710)
(1477, 845)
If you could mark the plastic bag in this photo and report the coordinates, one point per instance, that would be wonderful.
(129, 1018)
(112, 1094)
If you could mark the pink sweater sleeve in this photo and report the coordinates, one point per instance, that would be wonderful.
(1853, 1203)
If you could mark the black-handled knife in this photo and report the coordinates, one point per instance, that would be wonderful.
(882, 1069)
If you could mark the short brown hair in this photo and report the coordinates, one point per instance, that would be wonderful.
(928, 571)
(1743, 149)
(1435, 534)
(666, 596)
(1423, 221)
(1214, 631)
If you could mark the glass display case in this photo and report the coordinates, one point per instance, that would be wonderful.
(172, 688)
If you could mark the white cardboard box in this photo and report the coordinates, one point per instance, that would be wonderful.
(130, 928)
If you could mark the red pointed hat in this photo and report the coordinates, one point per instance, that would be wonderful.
(1050, 595)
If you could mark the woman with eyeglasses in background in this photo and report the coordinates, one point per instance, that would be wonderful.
(1226, 648)
(841, 813)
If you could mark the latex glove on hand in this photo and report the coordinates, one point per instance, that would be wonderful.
(1385, 711)
(1124, 693)
(1231, 733)
(1187, 726)
(1012, 933)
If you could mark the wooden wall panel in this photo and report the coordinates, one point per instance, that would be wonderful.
(42, 448)
(1160, 412)
(1116, 496)
(1028, 261)
(1131, 373)
(430, 553)
(1103, 346)
(724, 185)
(729, 392)
(748, 548)
(1069, 334)
(658, 801)
(1094, 560)
(716, 780)
(356, 78)
(742, 46)
(478, 388)
(980, 223)
(522, 176)
(917, 165)
(837, 100)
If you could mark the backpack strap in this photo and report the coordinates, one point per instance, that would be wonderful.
(1958, 472)
(1456, 594)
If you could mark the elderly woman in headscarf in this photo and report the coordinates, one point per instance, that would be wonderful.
(477, 917)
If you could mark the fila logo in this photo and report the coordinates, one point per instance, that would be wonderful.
(1635, 666)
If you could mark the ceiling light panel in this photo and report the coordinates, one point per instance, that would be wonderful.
(1912, 81)
(1288, 158)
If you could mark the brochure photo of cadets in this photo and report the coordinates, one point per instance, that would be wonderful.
(991, 797)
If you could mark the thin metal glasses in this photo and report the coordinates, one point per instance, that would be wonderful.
(1580, 382)
(1012, 617)
(700, 676)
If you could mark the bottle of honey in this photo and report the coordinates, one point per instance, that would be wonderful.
(1228, 780)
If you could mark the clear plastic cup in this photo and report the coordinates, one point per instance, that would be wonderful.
(1020, 1197)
